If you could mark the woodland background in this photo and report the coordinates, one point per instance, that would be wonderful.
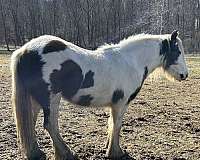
(90, 23)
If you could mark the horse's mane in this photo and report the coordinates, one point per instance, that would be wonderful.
(125, 41)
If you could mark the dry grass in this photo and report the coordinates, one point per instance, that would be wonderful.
(161, 123)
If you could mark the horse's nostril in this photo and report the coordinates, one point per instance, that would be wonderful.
(182, 76)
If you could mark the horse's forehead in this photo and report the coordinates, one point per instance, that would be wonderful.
(171, 52)
(180, 45)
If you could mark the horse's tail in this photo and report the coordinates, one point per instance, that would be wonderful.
(22, 105)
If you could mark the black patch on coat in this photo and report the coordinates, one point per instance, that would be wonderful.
(67, 80)
(117, 95)
(29, 70)
(134, 94)
(88, 80)
(145, 74)
(170, 51)
(164, 47)
(54, 46)
(85, 100)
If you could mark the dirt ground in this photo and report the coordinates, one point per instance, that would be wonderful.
(161, 123)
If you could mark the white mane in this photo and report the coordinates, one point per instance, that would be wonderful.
(132, 39)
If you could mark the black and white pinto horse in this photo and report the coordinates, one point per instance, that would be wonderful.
(48, 68)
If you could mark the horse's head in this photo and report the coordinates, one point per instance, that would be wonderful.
(173, 57)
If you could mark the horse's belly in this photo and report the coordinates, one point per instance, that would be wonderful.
(89, 97)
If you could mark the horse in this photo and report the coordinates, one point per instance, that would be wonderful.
(49, 68)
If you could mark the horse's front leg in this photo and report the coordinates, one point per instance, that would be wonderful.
(115, 122)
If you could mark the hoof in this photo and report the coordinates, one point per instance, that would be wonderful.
(115, 155)
(66, 156)
(37, 155)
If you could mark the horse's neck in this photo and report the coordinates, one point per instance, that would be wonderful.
(142, 54)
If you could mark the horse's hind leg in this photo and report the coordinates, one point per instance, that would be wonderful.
(62, 152)
(115, 121)
(36, 152)
(35, 110)
(110, 125)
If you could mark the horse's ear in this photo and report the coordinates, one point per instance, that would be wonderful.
(174, 35)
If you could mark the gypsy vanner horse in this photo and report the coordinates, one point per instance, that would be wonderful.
(49, 68)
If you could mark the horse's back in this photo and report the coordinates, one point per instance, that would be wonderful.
(52, 65)
(49, 64)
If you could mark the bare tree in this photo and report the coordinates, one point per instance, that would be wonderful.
(90, 23)
(3, 17)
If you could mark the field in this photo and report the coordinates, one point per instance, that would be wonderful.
(161, 123)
